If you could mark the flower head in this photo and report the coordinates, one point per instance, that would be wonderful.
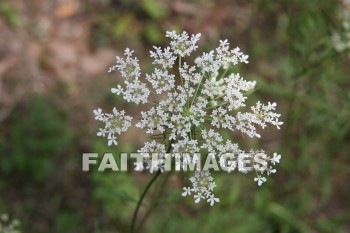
(115, 123)
(191, 108)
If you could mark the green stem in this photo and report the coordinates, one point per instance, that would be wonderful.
(224, 73)
(182, 83)
(216, 106)
(155, 203)
(195, 94)
(133, 223)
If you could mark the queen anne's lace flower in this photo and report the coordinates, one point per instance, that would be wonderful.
(275, 159)
(129, 68)
(222, 120)
(161, 80)
(260, 180)
(8, 225)
(227, 56)
(202, 185)
(149, 149)
(163, 58)
(341, 39)
(115, 123)
(190, 110)
(183, 44)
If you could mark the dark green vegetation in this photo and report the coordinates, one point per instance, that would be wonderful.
(294, 62)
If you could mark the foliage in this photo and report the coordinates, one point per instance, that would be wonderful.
(9, 14)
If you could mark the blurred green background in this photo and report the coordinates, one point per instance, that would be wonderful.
(53, 61)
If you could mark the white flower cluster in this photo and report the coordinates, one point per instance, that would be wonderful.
(202, 185)
(148, 163)
(9, 226)
(268, 168)
(115, 123)
(129, 68)
(183, 45)
(191, 107)
(341, 40)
